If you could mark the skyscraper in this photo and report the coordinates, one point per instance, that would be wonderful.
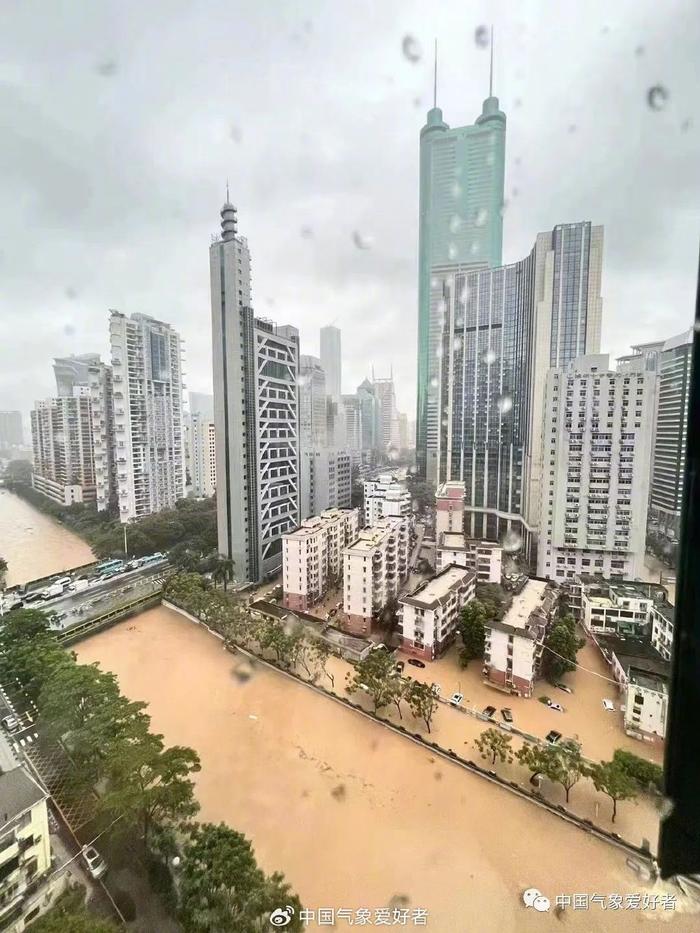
(502, 330)
(312, 403)
(103, 438)
(331, 360)
(387, 416)
(462, 172)
(72, 371)
(62, 443)
(201, 454)
(369, 413)
(147, 391)
(11, 433)
(256, 414)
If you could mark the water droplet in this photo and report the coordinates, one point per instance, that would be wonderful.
(464, 295)
(438, 353)
(482, 215)
(511, 542)
(504, 404)
(572, 128)
(417, 102)
(236, 133)
(434, 282)
(474, 248)
(457, 344)
(434, 382)
(515, 192)
(452, 251)
(657, 97)
(605, 30)
(393, 453)
(306, 233)
(399, 900)
(456, 189)
(518, 160)
(243, 672)
(301, 381)
(361, 241)
(270, 301)
(490, 158)
(518, 102)
(639, 51)
(502, 209)
(685, 125)
(455, 223)
(71, 293)
(339, 792)
(411, 49)
(308, 26)
(445, 422)
(490, 357)
(441, 306)
(481, 37)
(107, 68)
(458, 171)
(69, 330)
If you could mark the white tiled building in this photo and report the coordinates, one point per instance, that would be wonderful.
(312, 556)
(485, 558)
(201, 446)
(326, 480)
(385, 497)
(374, 567)
(615, 608)
(661, 616)
(596, 470)
(449, 508)
(513, 647)
(429, 615)
(64, 468)
(646, 705)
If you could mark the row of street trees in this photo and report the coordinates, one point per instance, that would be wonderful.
(376, 675)
(143, 785)
(563, 764)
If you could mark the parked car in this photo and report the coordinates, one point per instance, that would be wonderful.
(399, 666)
(33, 597)
(10, 723)
(507, 714)
(553, 737)
(556, 706)
(94, 862)
(609, 706)
(564, 687)
(456, 699)
(436, 689)
(378, 647)
(63, 581)
(415, 662)
(488, 711)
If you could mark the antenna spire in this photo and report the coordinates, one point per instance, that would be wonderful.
(227, 195)
(435, 79)
(491, 67)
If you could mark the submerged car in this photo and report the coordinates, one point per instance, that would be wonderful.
(564, 687)
(416, 663)
(507, 714)
(553, 737)
(456, 699)
(489, 711)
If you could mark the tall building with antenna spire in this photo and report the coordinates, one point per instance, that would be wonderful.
(462, 174)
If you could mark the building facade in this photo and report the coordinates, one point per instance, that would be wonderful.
(201, 447)
(11, 430)
(595, 471)
(62, 441)
(147, 389)
(99, 377)
(385, 497)
(325, 480)
(331, 360)
(502, 330)
(430, 614)
(369, 415)
(72, 371)
(312, 403)
(484, 558)
(312, 556)
(256, 415)
(387, 417)
(374, 567)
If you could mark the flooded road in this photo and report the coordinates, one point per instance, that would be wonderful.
(352, 814)
(35, 545)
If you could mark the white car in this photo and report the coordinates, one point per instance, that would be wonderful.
(94, 862)
(10, 723)
(456, 699)
(609, 706)
(436, 689)
(557, 706)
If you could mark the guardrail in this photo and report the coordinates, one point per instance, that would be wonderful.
(83, 629)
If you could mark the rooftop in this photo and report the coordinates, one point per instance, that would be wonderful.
(529, 611)
(450, 490)
(370, 538)
(19, 792)
(315, 523)
(453, 541)
(435, 591)
(650, 681)
(524, 603)
(635, 654)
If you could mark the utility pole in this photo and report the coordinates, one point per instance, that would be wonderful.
(126, 552)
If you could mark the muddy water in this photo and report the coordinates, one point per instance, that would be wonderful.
(352, 814)
(35, 545)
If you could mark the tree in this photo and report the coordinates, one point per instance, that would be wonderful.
(320, 652)
(3, 572)
(561, 763)
(421, 701)
(560, 648)
(493, 744)
(69, 915)
(28, 649)
(377, 673)
(612, 780)
(224, 571)
(471, 628)
(149, 785)
(18, 471)
(222, 887)
(646, 773)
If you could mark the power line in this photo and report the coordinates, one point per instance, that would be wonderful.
(610, 680)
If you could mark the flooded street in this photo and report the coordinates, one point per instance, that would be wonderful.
(35, 545)
(352, 814)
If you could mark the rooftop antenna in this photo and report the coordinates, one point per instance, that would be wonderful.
(491, 67)
(435, 79)
(227, 195)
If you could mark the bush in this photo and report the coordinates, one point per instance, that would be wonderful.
(161, 881)
(644, 772)
(126, 905)
(544, 700)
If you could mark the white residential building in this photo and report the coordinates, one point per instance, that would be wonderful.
(64, 467)
(513, 646)
(385, 497)
(485, 558)
(388, 421)
(449, 508)
(661, 616)
(595, 470)
(618, 608)
(326, 480)
(430, 614)
(374, 567)
(201, 448)
(147, 390)
(103, 439)
(256, 414)
(312, 556)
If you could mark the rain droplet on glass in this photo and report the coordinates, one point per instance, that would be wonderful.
(490, 158)
(411, 49)
(502, 209)
(504, 404)
(69, 330)
(441, 306)
(512, 541)
(236, 133)
(657, 97)
(685, 125)
(361, 241)
(455, 223)
(482, 215)
(639, 51)
(438, 353)
(434, 282)
(306, 233)
(571, 128)
(417, 102)
(456, 189)
(71, 293)
(452, 251)
(518, 102)
(457, 344)
(107, 68)
(481, 37)
(434, 382)
(464, 295)
(490, 357)
(474, 248)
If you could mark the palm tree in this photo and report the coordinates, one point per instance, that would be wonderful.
(224, 570)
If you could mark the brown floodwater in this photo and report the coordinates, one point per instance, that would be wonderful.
(351, 813)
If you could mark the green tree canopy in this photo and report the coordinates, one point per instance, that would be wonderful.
(421, 701)
(561, 763)
(611, 779)
(28, 649)
(69, 915)
(560, 649)
(377, 672)
(645, 773)
(471, 628)
(493, 744)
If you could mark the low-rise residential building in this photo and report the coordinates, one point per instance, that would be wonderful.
(485, 558)
(374, 567)
(661, 616)
(430, 614)
(514, 645)
(449, 508)
(386, 497)
(312, 556)
(27, 887)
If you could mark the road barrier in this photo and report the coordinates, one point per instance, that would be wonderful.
(82, 630)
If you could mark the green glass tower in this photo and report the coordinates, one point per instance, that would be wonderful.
(462, 172)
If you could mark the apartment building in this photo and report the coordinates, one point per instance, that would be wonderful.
(325, 480)
(374, 566)
(27, 887)
(385, 497)
(312, 556)
(595, 469)
(514, 646)
(449, 508)
(62, 443)
(147, 389)
(661, 617)
(430, 615)
(312, 403)
(484, 558)
(99, 376)
(200, 433)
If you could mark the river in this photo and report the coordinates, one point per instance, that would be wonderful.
(33, 544)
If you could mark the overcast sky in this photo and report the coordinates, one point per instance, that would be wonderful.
(123, 120)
